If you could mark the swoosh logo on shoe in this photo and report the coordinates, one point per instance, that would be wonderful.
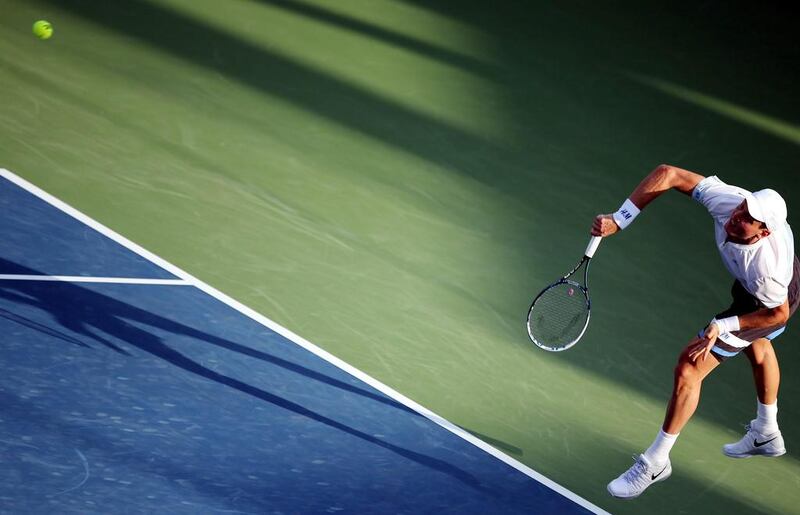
(662, 471)
(759, 444)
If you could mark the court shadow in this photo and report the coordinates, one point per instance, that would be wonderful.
(81, 319)
(43, 328)
(499, 444)
(85, 312)
(342, 102)
(389, 37)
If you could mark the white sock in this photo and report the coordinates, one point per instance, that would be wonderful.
(658, 452)
(767, 418)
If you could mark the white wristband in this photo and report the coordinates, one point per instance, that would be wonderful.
(626, 214)
(727, 325)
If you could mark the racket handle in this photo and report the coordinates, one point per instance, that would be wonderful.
(593, 244)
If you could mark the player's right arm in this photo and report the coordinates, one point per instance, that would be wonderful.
(660, 180)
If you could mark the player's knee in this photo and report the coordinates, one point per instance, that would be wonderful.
(686, 373)
(761, 352)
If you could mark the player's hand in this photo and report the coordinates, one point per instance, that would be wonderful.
(701, 347)
(604, 225)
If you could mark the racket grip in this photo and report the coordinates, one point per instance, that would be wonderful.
(593, 244)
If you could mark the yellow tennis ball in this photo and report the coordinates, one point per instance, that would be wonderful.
(42, 29)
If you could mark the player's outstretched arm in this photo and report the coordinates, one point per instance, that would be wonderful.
(661, 179)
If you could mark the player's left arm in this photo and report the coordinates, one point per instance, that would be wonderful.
(764, 317)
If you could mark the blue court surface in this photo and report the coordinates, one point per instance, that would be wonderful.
(128, 386)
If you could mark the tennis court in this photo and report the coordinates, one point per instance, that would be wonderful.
(388, 182)
(109, 376)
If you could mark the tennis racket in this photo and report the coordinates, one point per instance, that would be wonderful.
(559, 315)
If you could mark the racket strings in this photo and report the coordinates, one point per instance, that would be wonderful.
(559, 316)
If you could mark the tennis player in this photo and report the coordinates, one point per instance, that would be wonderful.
(757, 248)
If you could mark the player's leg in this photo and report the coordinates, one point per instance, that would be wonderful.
(766, 371)
(653, 465)
(688, 379)
(763, 437)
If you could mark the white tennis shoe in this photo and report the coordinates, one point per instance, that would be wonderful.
(755, 443)
(637, 478)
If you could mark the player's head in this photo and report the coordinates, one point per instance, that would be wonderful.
(769, 207)
(760, 214)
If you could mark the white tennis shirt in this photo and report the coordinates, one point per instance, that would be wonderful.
(765, 267)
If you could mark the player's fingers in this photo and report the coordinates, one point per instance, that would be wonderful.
(609, 225)
(597, 226)
(697, 347)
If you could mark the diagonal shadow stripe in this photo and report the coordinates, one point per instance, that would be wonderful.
(750, 117)
(266, 71)
(442, 55)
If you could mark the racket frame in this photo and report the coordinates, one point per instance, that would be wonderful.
(583, 288)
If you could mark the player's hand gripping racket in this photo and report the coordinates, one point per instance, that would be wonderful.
(559, 315)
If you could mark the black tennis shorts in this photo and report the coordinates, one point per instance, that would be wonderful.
(744, 302)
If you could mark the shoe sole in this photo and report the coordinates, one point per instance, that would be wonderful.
(750, 455)
(662, 478)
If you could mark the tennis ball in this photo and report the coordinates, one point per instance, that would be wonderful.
(42, 29)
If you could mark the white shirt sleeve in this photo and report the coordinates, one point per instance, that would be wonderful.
(719, 198)
(770, 292)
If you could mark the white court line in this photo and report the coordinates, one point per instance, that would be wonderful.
(82, 279)
(302, 342)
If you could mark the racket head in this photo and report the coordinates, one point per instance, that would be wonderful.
(559, 315)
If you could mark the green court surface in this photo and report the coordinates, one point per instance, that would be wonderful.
(394, 180)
